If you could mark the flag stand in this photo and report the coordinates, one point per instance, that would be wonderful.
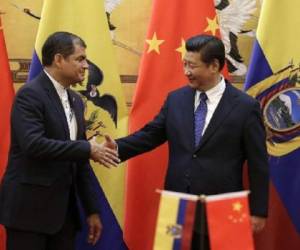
(202, 221)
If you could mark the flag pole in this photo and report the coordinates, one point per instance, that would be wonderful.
(202, 198)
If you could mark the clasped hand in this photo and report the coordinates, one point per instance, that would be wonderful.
(105, 153)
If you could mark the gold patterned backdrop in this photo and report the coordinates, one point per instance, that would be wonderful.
(130, 19)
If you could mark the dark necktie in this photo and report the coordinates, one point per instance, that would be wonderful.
(200, 115)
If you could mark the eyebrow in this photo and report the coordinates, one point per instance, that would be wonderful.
(81, 57)
(188, 61)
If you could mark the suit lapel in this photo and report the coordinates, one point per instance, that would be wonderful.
(225, 106)
(52, 93)
(187, 112)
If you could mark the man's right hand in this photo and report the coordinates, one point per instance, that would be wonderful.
(110, 143)
(103, 154)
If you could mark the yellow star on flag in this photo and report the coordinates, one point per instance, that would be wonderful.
(154, 44)
(212, 25)
(182, 49)
(237, 206)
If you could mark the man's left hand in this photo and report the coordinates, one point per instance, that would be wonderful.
(258, 223)
(95, 228)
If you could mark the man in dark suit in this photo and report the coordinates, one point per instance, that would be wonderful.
(48, 169)
(211, 128)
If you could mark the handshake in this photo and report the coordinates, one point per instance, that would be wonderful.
(105, 153)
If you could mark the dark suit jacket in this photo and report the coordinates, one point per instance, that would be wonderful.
(44, 165)
(234, 134)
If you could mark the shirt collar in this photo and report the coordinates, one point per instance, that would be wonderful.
(60, 89)
(215, 91)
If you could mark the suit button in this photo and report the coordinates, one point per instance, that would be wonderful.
(194, 156)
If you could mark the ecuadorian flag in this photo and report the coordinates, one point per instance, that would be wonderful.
(175, 221)
(106, 112)
(273, 78)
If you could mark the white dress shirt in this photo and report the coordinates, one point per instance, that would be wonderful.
(70, 115)
(214, 96)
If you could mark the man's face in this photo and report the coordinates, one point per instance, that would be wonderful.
(72, 67)
(201, 75)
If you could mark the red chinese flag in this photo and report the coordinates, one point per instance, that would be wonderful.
(161, 71)
(228, 221)
(6, 98)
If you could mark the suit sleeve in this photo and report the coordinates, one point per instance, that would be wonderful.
(257, 159)
(149, 137)
(30, 132)
(87, 182)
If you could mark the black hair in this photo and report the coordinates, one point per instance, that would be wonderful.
(60, 43)
(210, 48)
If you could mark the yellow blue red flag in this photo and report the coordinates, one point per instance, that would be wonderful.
(273, 79)
(102, 93)
(175, 221)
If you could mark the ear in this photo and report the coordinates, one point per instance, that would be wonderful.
(215, 66)
(58, 60)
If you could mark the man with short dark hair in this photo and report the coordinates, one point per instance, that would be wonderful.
(211, 128)
(48, 169)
